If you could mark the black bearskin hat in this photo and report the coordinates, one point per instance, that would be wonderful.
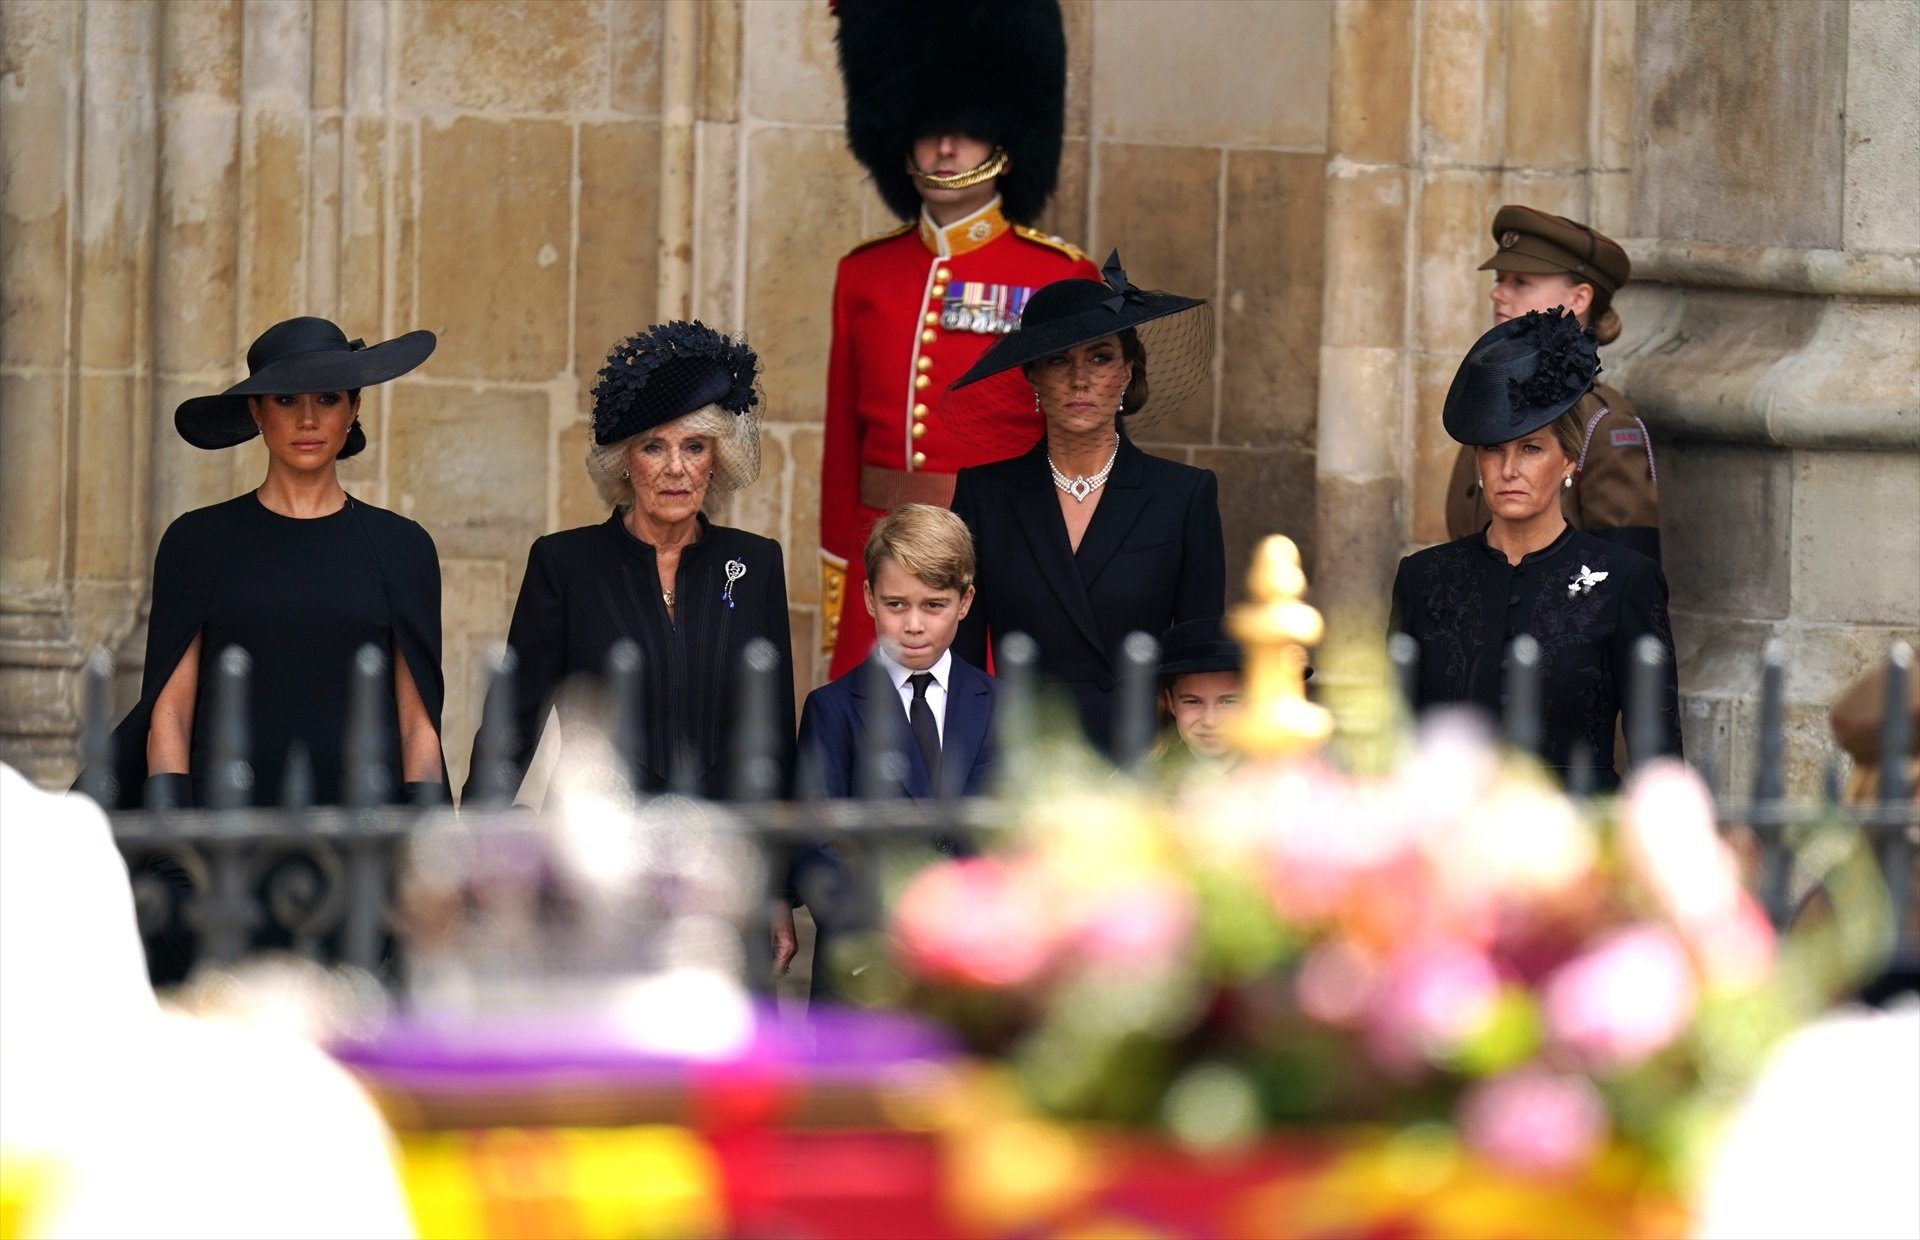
(995, 70)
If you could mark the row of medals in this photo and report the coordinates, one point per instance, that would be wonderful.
(985, 320)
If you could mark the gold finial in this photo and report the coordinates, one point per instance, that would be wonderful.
(1274, 630)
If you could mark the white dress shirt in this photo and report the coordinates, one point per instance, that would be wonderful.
(936, 691)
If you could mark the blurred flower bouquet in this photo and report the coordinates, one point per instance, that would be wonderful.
(1449, 947)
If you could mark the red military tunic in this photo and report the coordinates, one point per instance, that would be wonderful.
(911, 312)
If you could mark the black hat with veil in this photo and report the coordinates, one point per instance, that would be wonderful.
(1172, 334)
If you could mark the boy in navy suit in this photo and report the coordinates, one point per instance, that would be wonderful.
(919, 584)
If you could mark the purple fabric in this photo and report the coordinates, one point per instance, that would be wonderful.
(429, 1054)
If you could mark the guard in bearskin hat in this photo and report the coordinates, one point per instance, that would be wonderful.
(1544, 261)
(956, 108)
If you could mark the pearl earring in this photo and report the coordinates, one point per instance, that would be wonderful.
(1566, 482)
(1036, 403)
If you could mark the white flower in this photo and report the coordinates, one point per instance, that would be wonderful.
(1584, 581)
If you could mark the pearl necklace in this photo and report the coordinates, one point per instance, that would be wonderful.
(1081, 487)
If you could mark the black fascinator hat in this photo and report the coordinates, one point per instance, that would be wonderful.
(1173, 336)
(1520, 376)
(995, 70)
(297, 356)
(667, 372)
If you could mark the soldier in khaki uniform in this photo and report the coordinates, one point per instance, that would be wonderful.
(1546, 261)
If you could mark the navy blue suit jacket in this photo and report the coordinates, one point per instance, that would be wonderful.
(833, 734)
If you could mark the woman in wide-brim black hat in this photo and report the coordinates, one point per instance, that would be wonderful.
(1585, 601)
(676, 422)
(1083, 538)
(299, 577)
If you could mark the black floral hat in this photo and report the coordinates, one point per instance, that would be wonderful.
(667, 372)
(1520, 376)
(671, 370)
(293, 357)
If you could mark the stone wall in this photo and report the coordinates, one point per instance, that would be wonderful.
(533, 180)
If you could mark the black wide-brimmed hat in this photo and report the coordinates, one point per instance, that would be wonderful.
(1196, 646)
(1175, 333)
(1520, 376)
(995, 70)
(298, 356)
(674, 369)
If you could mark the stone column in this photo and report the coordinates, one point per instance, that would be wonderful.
(39, 129)
(1773, 343)
(1360, 438)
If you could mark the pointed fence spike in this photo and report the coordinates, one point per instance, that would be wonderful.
(1645, 739)
(1015, 658)
(230, 782)
(1522, 708)
(1896, 749)
(1404, 653)
(493, 778)
(883, 760)
(756, 739)
(98, 779)
(623, 687)
(369, 780)
(1133, 724)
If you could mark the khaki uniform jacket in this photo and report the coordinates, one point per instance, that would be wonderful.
(1615, 492)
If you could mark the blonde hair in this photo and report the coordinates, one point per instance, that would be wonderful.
(736, 453)
(931, 543)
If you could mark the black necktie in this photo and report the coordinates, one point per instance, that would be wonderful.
(926, 733)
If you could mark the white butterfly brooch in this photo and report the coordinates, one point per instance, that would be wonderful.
(1584, 581)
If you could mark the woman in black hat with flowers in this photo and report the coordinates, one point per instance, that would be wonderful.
(675, 418)
(297, 574)
(1084, 538)
(1584, 599)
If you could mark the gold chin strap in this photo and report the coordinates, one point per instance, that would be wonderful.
(995, 164)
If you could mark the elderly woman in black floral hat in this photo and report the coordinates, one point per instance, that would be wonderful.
(675, 419)
(1585, 600)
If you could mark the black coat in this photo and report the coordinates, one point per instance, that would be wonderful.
(1464, 604)
(1151, 556)
(587, 588)
(300, 596)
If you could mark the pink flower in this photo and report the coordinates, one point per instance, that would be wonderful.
(1434, 997)
(1626, 999)
(1673, 847)
(977, 922)
(1534, 1120)
(1336, 982)
(1141, 924)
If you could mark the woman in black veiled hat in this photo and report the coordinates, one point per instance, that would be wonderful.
(1585, 600)
(299, 576)
(1084, 538)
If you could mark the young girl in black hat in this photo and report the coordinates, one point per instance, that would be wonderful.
(1584, 599)
(297, 575)
(1084, 538)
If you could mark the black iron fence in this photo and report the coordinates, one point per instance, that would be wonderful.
(215, 883)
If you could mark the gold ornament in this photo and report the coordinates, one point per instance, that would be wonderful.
(1274, 631)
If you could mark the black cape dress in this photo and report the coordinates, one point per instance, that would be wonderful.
(1464, 604)
(585, 589)
(300, 596)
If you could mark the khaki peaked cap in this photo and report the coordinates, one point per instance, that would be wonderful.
(1531, 240)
